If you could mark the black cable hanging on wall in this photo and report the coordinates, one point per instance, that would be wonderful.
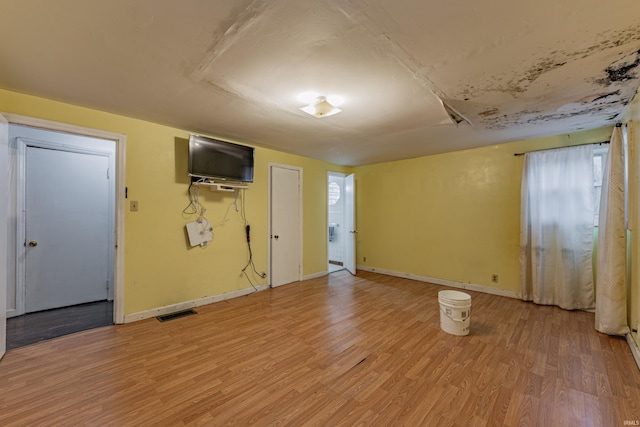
(247, 229)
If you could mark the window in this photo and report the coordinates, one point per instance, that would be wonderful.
(334, 193)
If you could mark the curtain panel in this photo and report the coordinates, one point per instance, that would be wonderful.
(557, 224)
(611, 289)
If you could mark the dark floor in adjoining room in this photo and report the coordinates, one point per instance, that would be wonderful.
(44, 325)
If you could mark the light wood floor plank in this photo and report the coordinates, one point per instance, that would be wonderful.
(332, 351)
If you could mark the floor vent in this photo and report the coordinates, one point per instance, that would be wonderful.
(176, 315)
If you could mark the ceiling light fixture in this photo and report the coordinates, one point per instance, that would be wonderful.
(320, 107)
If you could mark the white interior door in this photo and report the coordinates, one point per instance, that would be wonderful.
(66, 228)
(350, 223)
(4, 218)
(285, 229)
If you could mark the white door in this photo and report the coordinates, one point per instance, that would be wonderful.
(66, 228)
(350, 223)
(4, 218)
(285, 228)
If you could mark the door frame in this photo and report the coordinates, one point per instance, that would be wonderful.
(120, 192)
(300, 218)
(350, 259)
(21, 194)
(343, 244)
(5, 179)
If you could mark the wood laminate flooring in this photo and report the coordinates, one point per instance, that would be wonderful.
(45, 325)
(331, 351)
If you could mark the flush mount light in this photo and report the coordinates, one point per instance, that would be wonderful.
(320, 106)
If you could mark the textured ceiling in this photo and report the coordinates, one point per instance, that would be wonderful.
(418, 78)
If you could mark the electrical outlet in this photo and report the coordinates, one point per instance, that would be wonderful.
(133, 206)
(494, 278)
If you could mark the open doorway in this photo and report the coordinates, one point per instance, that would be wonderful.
(336, 222)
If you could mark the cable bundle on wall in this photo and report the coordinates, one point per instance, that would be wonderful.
(199, 232)
(248, 235)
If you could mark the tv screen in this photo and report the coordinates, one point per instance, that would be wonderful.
(219, 160)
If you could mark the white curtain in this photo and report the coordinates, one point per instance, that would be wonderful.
(611, 291)
(557, 222)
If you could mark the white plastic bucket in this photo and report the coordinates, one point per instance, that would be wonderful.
(455, 312)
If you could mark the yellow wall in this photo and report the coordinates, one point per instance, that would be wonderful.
(160, 268)
(453, 216)
(633, 120)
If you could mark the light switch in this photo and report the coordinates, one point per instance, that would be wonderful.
(133, 206)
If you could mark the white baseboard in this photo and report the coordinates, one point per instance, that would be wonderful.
(168, 309)
(634, 349)
(315, 275)
(12, 312)
(445, 282)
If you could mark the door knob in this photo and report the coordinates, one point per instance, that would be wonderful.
(353, 231)
(33, 243)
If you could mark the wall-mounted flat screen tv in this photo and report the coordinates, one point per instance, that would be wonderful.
(218, 160)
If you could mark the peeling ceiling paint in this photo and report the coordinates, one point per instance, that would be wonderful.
(417, 78)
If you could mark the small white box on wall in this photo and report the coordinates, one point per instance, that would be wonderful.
(200, 233)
